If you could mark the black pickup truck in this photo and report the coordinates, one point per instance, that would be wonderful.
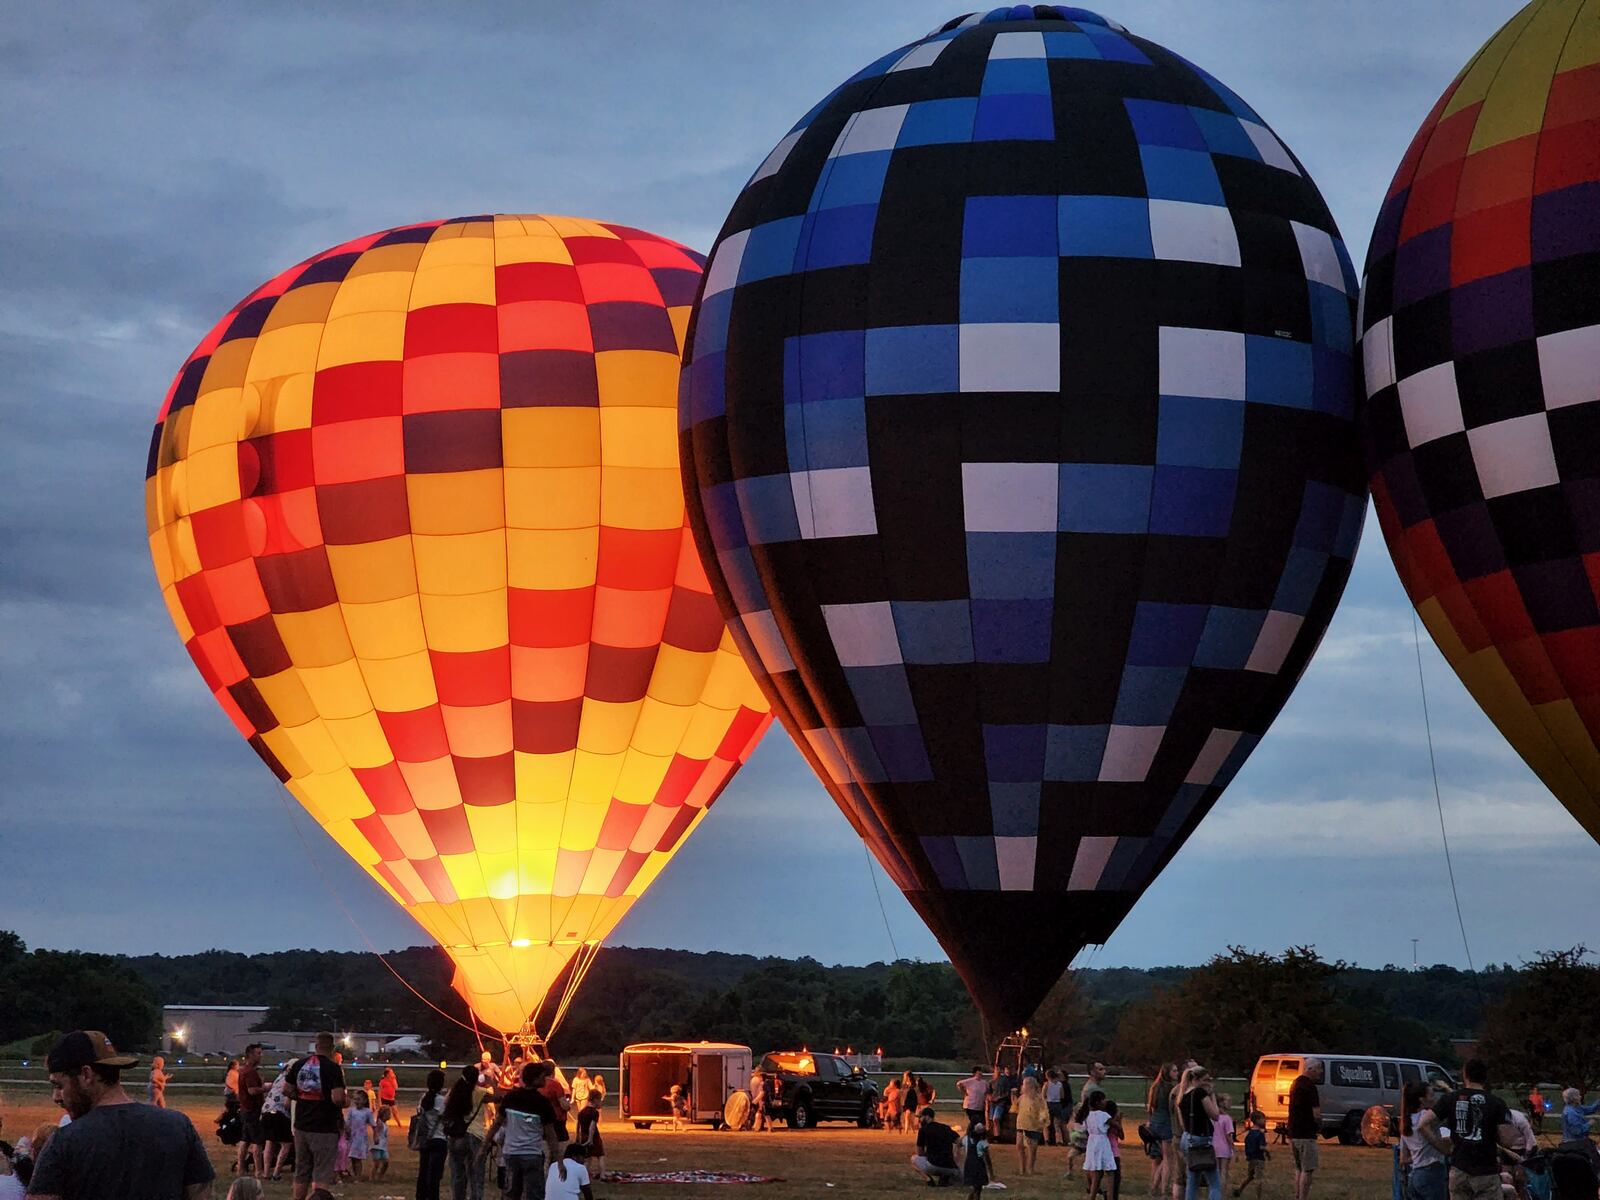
(820, 1087)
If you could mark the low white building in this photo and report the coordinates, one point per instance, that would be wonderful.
(226, 1029)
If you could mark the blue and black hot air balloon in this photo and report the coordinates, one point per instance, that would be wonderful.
(1019, 442)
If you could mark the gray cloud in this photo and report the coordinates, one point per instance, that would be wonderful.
(164, 158)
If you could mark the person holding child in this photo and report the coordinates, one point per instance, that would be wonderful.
(977, 1171)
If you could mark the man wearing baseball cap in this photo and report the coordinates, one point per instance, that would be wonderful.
(114, 1149)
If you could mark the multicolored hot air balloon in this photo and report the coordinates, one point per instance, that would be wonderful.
(415, 509)
(1020, 444)
(1481, 346)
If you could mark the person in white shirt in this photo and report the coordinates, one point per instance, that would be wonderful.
(569, 1177)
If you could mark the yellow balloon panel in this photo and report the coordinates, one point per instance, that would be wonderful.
(415, 509)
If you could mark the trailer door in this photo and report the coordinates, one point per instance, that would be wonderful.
(710, 1089)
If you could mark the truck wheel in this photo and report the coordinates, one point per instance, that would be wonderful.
(1350, 1131)
(864, 1121)
(800, 1114)
(641, 1124)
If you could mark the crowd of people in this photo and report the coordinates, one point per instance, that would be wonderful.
(541, 1136)
(1460, 1144)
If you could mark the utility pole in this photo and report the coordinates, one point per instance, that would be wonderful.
(1414, 965)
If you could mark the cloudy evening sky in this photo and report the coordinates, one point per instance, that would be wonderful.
(163, 159)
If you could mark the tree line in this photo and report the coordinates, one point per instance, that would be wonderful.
(1537, 1018)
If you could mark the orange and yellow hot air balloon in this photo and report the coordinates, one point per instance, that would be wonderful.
(415, 509)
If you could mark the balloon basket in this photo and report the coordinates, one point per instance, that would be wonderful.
(526, 1044)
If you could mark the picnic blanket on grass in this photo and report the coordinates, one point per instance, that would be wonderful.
(688, 1177)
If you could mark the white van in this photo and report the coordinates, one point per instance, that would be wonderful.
(1352, 1084)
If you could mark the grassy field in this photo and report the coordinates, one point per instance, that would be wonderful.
(835, 1161)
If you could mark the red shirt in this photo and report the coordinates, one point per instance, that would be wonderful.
(386, 1088)
(249, 1078)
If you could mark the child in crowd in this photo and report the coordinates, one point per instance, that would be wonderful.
(156, 1089)
(1255, 1153)
(1222, 1137)
(589, 1137)
(976, 1169)
(358, 1128)
(678, 1102)
(379, 1153)
(1114, 1132)
(1098, 1160)
(569, 1178)
(246, 1187)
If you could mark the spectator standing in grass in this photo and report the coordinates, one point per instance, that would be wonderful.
(1032, 1117)
(1114, 1132)
(358, 1128)
(1158, 1104)
(1098, 1159)
(594, 1146)
(1478, 1124)
(316, 1085)
(435, 1148)
(114, 1149)
(974, 1091)
(1424, 1154)
(379, 1154)
(1535, 1105)
(977, 1172)
(388, 1090)
(156, 1089)
(528, 1122)
(1222, 1137)
(1054, 1091)
(1575, 1114)
(252, 1096)
(1305, 1124)
(1255, 1154)
(1002, 1091)
(935, 1156)
(463, 1128)
(275, 1128)
(1197, 1113)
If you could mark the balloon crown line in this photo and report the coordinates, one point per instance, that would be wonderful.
(1028, 12)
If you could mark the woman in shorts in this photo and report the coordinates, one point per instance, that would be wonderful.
(1032, 1117)
(275, 1127)
(1158, 1102)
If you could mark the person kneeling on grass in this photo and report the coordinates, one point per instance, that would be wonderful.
(935, 1158)
(569, 1177)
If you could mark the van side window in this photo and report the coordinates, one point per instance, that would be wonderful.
(1436, 1075)
(1391, 1077)
(1410, 1072)
(1265, 1068)
(1353, 1073)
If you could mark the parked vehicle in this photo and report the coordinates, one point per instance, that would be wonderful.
(1353, 1083)
(820, 1087)
(708, 1072)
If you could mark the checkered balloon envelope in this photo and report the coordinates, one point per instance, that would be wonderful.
(1481, 347)
(1019, 440)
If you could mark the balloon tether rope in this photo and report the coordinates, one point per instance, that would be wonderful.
(356, 925)
(1438, 800)
(873, 875)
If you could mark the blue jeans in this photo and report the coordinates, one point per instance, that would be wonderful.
(1212, 1175)
(524, 1177)
(466, 1168)
(1213, 1181)
(1431, 1182)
